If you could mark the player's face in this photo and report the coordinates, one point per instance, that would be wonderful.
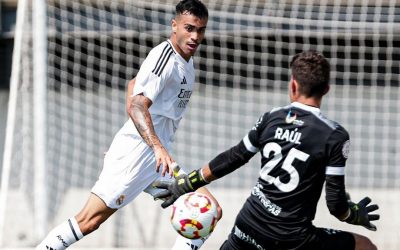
(188, 32)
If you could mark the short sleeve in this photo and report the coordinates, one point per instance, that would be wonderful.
(251, 140)
(154, 73)
(339, 147)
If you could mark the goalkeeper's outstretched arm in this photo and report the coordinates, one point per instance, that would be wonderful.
(220, 166)
(344, 209)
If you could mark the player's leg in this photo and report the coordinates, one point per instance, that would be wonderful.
(93, 214)
(182, 243)
(126, 173)
(363, 243)
(331, 239)
(61, 236)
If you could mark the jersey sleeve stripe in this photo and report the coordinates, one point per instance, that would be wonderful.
(164, 59)
(165, 63)
(161, 56)
(166, 53)
(334, 170)
(249, 146)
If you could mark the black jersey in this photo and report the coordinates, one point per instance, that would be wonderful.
(300, 149)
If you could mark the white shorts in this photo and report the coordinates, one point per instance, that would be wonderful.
(129, 168)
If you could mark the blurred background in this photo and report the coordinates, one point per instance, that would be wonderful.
(65, 65)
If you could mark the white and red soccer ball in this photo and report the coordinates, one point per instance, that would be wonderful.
(194, 215)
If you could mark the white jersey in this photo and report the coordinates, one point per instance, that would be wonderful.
(129, 165)
(167, 79)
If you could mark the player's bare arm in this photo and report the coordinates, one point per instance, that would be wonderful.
(129, 92)
(138, 110)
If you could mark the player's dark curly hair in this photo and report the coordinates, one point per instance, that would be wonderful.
(194, 7)
(311, 70)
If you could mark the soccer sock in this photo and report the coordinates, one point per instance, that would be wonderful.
(183, 243)
(62, 236)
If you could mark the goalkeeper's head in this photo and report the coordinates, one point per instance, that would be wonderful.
(311, 72)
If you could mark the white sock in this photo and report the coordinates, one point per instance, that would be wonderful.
(183, 243)
(62, 236)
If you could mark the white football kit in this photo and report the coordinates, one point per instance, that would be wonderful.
(167, 79)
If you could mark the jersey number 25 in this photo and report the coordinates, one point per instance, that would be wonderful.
(287, 166)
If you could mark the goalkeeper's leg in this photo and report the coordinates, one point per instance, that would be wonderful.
(93, 214)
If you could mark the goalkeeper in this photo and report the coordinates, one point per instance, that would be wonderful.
(300, 151)
(156, 101)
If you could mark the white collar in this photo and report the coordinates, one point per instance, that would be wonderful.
(180, 58)
(306, 107)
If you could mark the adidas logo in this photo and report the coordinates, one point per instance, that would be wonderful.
(193, 247)
(50, 248)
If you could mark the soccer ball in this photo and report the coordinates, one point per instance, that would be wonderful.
(194, 215)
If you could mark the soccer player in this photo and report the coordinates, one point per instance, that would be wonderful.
(300, 150)
(156, 101)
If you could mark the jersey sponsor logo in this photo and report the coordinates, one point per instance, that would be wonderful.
(184, 96)
(183, 93)
(288, 135)
(183, 103)
(247, 238)
(346, 149)
(270, 207)
(293, 119)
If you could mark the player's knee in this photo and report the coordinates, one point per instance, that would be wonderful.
(364, 243)
(368, 246)
(371, 245)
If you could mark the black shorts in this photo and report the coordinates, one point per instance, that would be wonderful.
(320, 239)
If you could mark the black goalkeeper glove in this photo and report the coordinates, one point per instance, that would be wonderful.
(360, 214)
(183, 184)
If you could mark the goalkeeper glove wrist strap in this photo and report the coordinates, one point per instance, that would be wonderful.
(353, 212)
(196, 179)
